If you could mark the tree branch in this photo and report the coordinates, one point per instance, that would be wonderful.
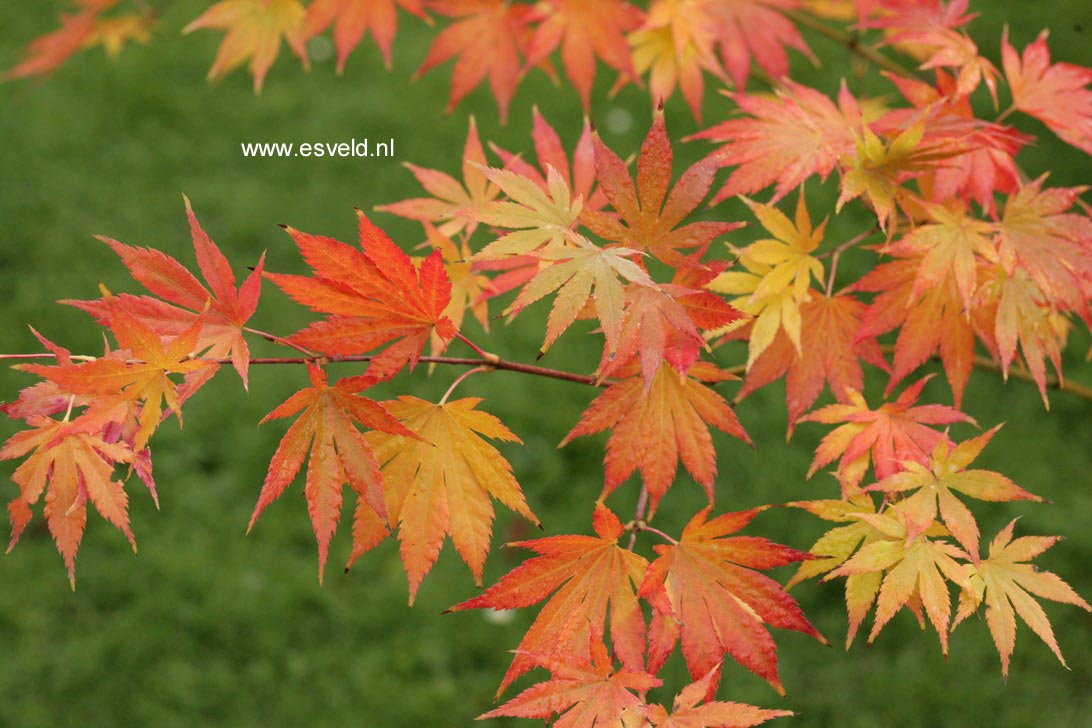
(850, 41)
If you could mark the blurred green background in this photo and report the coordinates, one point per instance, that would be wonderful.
(208, 625)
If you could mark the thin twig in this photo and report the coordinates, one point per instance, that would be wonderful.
(850, 41)
(638, 515)
(280, 340)
(510, 366)
(984, 362)
(642, 526)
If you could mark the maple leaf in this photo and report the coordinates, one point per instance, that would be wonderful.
(927, 31)
(352, 19)
(538, 218)
(792, 136)
(1055, 94)
(223, 310)
(952, 243)
(1013, 310)
(935, 487)
(585, 693)
(756, 29)
(778, 277)
(1006, 583)
(551, 153)
(934, 323)
(651, 209)
(113, 33)
(254, 29)
(440, 483)
(486, 39)
(834, 547)
(691, 712)
(1054, 246)
(372, 298)
(584, 31)
(663, 324)
(585, 574)
(675, 45)
(653, 427)
(575, 273)
(889, 436)
(339, 453)
(469, 288)
(878, 169)
(830, 353)
(916, 569)
(113, 380)
(48, 52)
(71, 466)
(718, 599)
(453, 206)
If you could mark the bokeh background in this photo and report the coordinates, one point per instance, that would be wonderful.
(206, 625)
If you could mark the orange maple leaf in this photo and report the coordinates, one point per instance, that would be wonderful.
(223, 310)
(934, 323)
(46, 53)
(549, 152)
(372, 298)
(887, 437)
(588, 573)
(584, 31)
(914, 573)
(1055, 94)
(487, 38)
(114, 380)
(691, 710)
(718, 601)
(830, 353)
(352, 19)
(585, 692)
(453, 206)
(71, 465)
(339, 453)
(935, 487)
(797, 134)
(254, 29)
(653, 427)
(440, 482)
(652, 209)
(1006, 583)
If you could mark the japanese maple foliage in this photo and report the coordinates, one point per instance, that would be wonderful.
(965, 258)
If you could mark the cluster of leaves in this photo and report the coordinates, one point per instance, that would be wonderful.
(967, 252)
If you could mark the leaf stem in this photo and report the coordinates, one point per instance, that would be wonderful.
(460, 378)
(487, 355)
(280, 340)
(642, 526)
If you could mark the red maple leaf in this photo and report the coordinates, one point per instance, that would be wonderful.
(719, 602)
(650, 210)
(798, 134)
(830, 353)
(654, 426)
(486, 38)
(339, 453)
(353, 18)
(584, 31)
(887, 436)
(224, 311)
(1056, 95)
(372, 298)
(585, 575)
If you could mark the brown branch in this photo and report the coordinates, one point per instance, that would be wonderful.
(850, 41)
(510, 366)
(638, 515)
(984, 362)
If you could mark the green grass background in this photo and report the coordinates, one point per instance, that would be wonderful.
(206, 625)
